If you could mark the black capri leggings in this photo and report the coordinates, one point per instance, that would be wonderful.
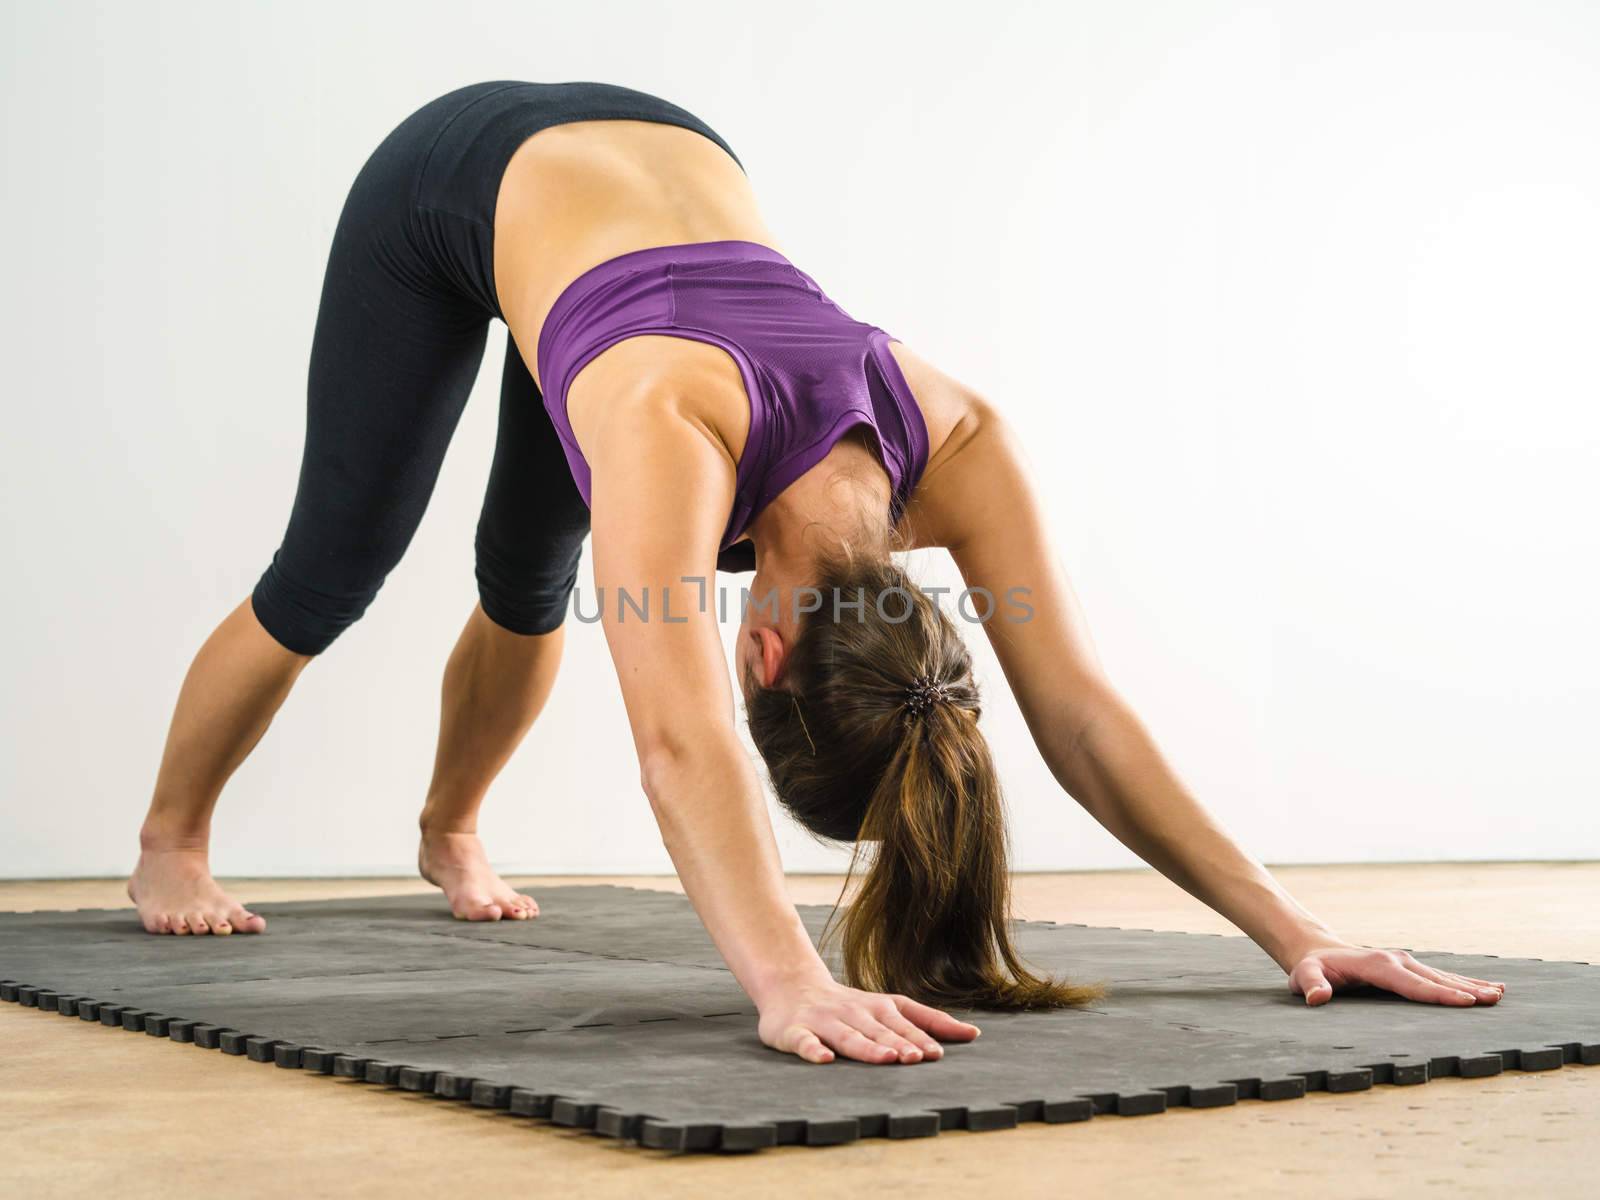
(406, 304)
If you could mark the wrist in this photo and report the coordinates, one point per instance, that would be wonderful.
(768, 982)
(1302, 940)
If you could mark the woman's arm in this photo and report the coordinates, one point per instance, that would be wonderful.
(983, 507)
(663, 485)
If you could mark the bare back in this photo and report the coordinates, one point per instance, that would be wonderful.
(577, 194)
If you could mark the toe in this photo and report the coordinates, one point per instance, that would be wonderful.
(485, 912)
(179, 923)
(198, 923)
(243, 920)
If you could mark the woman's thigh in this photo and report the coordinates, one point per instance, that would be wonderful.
(531, 531)
(394, 356)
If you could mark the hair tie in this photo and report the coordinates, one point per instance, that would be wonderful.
(924, 693)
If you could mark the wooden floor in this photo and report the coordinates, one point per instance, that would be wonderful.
(86, 1110)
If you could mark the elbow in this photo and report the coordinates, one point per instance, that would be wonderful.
(661, 772)
(672, 770)
(1086, 737)
(1075, 741)
(659, 766)
(698, 786)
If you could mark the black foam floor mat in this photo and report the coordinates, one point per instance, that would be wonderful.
(613, 1012)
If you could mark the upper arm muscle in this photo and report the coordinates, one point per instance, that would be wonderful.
(995, 527)
(662, 489)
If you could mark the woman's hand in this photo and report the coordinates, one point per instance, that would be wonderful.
(1322, 971)
(818, 1020)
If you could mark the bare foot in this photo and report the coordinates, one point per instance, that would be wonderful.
(176, 894)
(456, 864)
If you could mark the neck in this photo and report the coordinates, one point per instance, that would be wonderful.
(840, 506)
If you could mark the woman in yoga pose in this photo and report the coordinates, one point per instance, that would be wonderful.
(674, 380)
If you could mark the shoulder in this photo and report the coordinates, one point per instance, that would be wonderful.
(654, 381)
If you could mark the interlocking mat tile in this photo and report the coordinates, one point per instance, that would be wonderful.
(613, 1012)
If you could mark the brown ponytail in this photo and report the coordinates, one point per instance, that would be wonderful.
(872, 737)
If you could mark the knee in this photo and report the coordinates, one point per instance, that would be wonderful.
(522, 597)
(303, 617)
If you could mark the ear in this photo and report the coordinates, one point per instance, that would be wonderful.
(768, 654)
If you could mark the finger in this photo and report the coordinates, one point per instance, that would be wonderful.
(897, 1021)
(1493, 983)
(1483, 983)
(904, 1049)
(812, 1050)
(1484, 993)
(851, 1042)
(1311, 983)
(941, 1024)
(800, 1041)
(1403, 981)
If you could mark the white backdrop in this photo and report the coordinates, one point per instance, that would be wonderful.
(1296, 305)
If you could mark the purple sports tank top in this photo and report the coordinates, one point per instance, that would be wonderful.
(811, 371)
